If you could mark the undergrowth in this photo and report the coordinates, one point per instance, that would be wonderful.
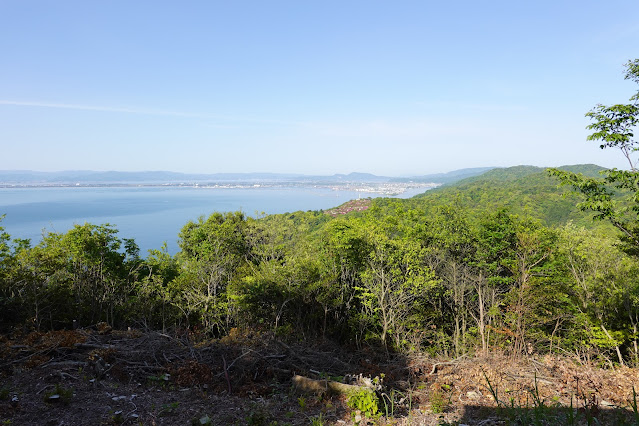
(537, 410)
(366, 402)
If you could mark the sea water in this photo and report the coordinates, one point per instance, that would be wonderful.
(151, 215)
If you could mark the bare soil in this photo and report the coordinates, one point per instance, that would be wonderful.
(350, 206)
(100, 376)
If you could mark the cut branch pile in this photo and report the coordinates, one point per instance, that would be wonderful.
(147, 374)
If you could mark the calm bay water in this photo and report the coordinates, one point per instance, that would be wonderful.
(149, 215)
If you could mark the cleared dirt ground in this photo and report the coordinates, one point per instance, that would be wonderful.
(100, 376)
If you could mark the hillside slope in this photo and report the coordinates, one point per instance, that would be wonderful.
(523, 190)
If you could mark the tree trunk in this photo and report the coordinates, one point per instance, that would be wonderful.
(616, 346)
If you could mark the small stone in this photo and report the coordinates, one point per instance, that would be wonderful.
(473, 395)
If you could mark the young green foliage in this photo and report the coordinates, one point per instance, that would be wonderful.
(614, 127)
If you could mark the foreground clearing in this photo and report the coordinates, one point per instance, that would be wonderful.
(109, 377)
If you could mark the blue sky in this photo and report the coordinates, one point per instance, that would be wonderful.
(395, 88)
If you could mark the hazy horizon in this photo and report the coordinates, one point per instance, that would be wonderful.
(263, 172)
(402, 89)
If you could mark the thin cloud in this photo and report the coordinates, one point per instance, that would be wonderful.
(96, 108)
(79, 107)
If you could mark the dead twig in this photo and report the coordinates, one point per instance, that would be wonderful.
(63, 364)
(226, 374)
(15, 361)
(67, 375)
(239, 357)
(93, 346)
(44, 388)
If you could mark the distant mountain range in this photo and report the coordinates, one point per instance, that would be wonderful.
(84, 177)
(450, 177)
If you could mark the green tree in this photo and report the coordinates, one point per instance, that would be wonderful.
(212, 249)
(449, 245)
(515, 285)
(82, 274)
(496, 242)
(603, 283)
(615, 197)
(151, 304)
(11, 309)
(532, 269)
(97, 265)
(394, 279)
(43, 284)
(342, 252)
(278, 286)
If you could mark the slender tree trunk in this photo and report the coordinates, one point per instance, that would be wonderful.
(481, 315)
(616, 346)
(482, 322)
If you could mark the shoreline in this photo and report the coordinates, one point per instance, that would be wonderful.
(385, 188)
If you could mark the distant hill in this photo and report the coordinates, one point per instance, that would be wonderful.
(525, 190)
(511, 174)
(114, 177)
(449, 177)
(26, 177)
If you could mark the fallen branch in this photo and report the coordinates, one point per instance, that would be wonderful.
(307, 385)
(226, 368)
(93, 346)
(27, 357)
(437, 364)
(67, 364)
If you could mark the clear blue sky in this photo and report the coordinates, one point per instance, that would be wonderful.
(393, 88)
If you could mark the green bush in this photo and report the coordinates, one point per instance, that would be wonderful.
(366, 402)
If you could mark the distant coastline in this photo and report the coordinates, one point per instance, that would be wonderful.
(358, 182)
(384, 189)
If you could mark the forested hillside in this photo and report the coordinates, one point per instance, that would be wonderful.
(523, 190)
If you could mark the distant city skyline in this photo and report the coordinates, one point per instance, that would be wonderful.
(406, 88)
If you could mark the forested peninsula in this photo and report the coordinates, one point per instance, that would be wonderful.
(504, 296)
